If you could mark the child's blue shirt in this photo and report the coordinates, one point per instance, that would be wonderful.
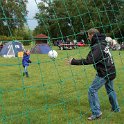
(26, 60)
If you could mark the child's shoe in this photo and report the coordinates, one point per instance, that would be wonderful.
(26, 74)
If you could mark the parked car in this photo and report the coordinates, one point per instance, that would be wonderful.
(81, 44)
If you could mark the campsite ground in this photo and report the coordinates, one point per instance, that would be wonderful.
(55, 92)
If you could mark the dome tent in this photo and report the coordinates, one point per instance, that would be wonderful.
(40, 49)
(11, 49)
(41, 46)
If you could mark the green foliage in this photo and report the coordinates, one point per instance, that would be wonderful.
(12, 16)
(5, 38)
(23, 32)
(19, 34)
(26, 42)
(68, 17)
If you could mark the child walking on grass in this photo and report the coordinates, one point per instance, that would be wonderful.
(25, 62)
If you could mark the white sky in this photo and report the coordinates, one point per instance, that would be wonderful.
(32, 8)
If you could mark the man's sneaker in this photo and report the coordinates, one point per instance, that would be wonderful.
(93, 117)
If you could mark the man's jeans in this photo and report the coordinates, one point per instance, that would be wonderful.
(93, 95)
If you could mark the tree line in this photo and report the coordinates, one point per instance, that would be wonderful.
(12, 20)
(64, 18)
(71, 17)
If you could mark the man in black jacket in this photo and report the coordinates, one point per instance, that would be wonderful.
(102, 61)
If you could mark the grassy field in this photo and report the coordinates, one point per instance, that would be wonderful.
(55, 92)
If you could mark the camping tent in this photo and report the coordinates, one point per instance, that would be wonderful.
(41, 49)
(11, 49)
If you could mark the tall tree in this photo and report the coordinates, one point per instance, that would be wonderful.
(12, 15)
(68, 17)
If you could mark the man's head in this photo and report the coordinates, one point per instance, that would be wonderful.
(91, 32)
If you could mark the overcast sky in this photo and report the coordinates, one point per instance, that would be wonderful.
(32, 8)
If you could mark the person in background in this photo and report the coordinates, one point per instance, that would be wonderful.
(68, 41)
(1, 46)
(103, 63)
(25, 62)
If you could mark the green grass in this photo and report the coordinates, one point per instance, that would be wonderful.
(55, 92)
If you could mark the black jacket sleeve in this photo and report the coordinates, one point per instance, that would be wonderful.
(76, 62)
(93, 57)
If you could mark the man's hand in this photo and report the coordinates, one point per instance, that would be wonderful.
(68, 60)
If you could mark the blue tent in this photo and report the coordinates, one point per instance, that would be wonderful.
(11, 49)
(41, 49)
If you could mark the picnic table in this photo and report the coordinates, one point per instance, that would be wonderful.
(67, 46)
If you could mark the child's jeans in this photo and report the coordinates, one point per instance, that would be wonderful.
(25, 69)
(93, 95)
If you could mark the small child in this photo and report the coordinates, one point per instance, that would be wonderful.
(25, 62)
